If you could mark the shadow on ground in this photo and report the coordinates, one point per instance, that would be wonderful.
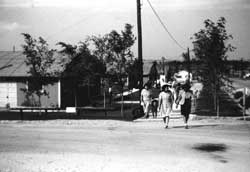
(212, 148)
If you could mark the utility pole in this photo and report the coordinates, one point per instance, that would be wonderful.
(139, 44)
(189, 64)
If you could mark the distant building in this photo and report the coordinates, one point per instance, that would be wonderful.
(14, 77)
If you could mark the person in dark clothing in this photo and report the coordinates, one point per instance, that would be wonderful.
(185, 100)
(154, 107)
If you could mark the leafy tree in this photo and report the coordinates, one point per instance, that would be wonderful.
(102, 52)
(101, 49)
(67, 49)
(115, 50)
(84, 68)
(121, 55)
(134, 74)
(40, 59)
(211, 47)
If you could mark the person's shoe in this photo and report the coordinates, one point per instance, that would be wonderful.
(166, 126)
(186, 127)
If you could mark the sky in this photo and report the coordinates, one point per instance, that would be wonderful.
(72, 21)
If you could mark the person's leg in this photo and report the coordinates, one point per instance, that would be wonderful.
(186, 120)
(144, 109)
(185, 117)
(167, 121)
(154, 114)
(164, 119)
(167, 116)
(147, 110)
(184, 114)
(188, 111)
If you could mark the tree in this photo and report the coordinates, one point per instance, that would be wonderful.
(115, 50)
(40, 59)
(121, 55)
(211, 47)
(134, 74)
(83, 68)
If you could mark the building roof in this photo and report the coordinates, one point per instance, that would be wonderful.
(12, 64)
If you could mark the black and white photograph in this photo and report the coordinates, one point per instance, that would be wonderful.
(124, 85)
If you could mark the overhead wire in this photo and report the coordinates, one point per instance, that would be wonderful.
(81, 20)
(67, 27)
(153, 28)
(164, 26)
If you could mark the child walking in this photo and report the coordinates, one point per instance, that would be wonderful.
(166, 100)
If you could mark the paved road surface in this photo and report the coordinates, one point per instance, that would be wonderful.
(107, 146)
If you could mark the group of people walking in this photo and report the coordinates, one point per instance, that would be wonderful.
(182, 96)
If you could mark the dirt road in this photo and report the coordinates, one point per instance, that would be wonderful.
(107, 146)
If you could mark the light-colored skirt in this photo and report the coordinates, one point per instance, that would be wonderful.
(165, 111)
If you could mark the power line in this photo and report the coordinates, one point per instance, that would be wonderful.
(67, 27)
(76, 23)
(164, 26)
(153, 29)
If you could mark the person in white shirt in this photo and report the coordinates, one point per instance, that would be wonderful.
(166, 100)
(146, 97)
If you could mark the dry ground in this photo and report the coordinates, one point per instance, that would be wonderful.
(112, 145)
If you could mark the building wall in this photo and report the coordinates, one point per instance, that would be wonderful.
(8, 94)
(20, 93)
(52, 98)
(50, 101)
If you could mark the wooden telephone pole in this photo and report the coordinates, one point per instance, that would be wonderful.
(139, 44)
(189, 65)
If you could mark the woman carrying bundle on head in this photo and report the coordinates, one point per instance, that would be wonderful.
(185, 99)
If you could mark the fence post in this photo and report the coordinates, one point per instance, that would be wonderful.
(218, 107)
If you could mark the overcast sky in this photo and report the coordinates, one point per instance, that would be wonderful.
(72, 20)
